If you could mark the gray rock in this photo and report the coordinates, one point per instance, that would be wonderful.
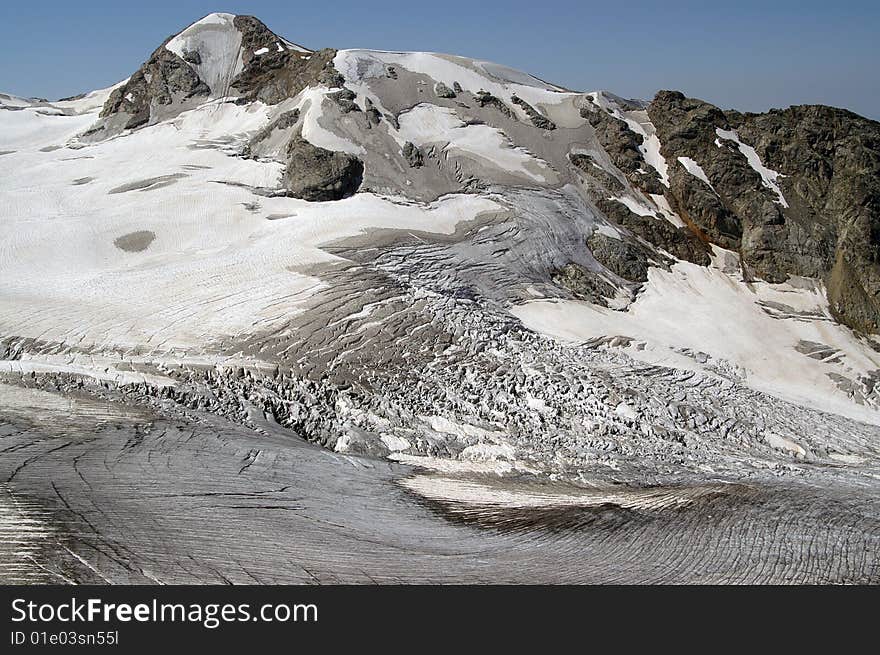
(486, 99)
(274, 77)
(413, 155)
(583, 283)
(346, 100)
(443, 91)
(317, 174)
(680, 242)
(626, 259)
(538, 120)
(162, 80)
(596, 174)
(374, 116)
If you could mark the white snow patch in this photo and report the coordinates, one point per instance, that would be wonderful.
(769, 177)
(462, 430)
(261, 51)
(471, 492)
(393, 443)
(787, 445)
(666, 210)
(608, 230)
(635, 206)
(696, 170)
(625, 411)
(487, 452)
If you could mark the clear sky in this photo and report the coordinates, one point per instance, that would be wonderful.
(743, 54)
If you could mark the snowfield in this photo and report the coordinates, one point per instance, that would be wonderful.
(211, 265)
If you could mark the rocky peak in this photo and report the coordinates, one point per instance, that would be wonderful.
(220, 55)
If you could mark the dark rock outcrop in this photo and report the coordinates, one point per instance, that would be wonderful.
(679, 242)
(583, 283)
(413, 155)
(162, 80)
(538, 120)
(626, 259)
(317, 174)
(374, 116)
(829, 161)
(443, 91)
(277, 73)
(276, 76)
(486, 99)
(345, 99)
(596, 174)
(686, 128)
(622, 145)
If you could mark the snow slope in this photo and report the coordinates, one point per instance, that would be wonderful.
(203, 263)
(706, 319)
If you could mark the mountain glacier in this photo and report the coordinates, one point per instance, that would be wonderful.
(279, 315)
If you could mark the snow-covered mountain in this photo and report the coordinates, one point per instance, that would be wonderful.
(449, 263)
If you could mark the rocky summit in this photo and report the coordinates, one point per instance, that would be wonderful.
(378, 310)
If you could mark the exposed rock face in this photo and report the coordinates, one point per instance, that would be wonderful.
(280, 75)
(738, 201)
(162, 80)
(831, 160)
(585, 164)
(346, 100)
(583, 284)
(538, 120)
(826, 224)
(280, 71)
(413, 155)
(625, 259)
(679, 242)
(622, 145)
(374, 116)
(317, 174)
(486, 99)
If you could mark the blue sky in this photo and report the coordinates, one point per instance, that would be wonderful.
(748, 55)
